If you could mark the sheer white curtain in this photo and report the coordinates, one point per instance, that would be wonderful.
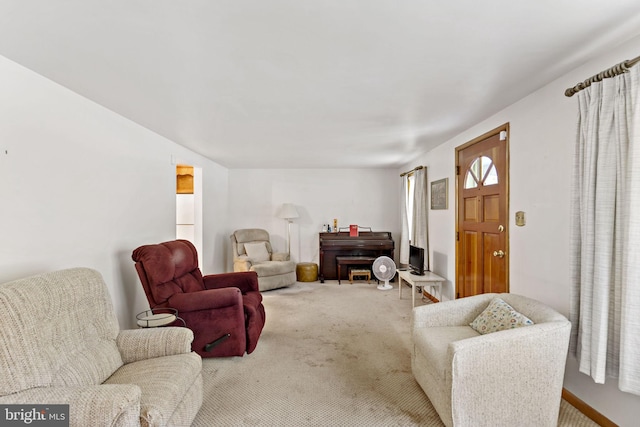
(404, 214)
(420, 227)
(414, 215)
(605, 232)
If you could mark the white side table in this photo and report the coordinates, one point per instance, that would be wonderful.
(432, 280)
(157, 317)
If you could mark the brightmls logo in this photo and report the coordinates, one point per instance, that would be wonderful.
(34, 415)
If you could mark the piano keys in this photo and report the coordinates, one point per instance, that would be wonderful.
(367, 244)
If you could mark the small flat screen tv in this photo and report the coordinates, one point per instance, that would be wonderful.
(416, 260)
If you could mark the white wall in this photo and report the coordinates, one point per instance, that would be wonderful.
(542, 135)
(367, 197)
(82, 186)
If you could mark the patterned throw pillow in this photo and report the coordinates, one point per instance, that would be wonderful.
(499, 316)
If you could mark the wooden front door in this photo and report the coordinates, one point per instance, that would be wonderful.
(482, 258)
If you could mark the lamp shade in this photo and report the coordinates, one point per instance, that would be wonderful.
(288, 211)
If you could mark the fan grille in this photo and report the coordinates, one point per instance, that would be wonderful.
(384, 268)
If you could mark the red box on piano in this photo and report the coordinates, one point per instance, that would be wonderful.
(353, 230)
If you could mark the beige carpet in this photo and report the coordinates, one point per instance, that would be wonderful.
(329, 355)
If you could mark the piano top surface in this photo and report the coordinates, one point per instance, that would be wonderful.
(363, 235)
(369, 238)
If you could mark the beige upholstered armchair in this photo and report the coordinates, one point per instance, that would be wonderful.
(252, 251)
(60, 343)
(512, 377)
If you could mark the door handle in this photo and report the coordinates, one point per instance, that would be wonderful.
(499, 253)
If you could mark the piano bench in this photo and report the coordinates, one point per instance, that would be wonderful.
(354, 272)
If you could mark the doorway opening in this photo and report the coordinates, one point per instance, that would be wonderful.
(189, 205)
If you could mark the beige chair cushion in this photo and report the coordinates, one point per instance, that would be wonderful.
(63, 331)
(162, 389)
(274, 268)
(257, 251)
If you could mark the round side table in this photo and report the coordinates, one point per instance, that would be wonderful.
(157, 317)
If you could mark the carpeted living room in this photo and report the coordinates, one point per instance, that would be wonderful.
(329, 355)
(462, 129)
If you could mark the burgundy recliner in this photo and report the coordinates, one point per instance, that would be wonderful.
(224, 311)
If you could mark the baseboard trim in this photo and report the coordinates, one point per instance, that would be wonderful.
(587, 410)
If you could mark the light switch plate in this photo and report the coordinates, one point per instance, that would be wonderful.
(520, 221)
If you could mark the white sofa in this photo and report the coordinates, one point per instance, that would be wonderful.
(252, 251)
(509, 378)
(60, 343)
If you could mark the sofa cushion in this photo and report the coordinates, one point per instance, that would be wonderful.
(432, 344)
(499, 316)
(257, 251)
(162, 389)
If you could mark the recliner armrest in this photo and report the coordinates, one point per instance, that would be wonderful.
(280, 256)
(246, 281)
(242, 263)
(104, 405)
(459, 312)
(205, 300)
(142, 344)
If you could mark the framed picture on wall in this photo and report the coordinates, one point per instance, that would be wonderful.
(440, 194)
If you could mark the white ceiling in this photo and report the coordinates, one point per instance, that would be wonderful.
(309, 83)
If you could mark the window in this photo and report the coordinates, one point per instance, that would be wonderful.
(481, 172)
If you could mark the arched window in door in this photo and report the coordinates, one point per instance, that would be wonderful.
(481, 172)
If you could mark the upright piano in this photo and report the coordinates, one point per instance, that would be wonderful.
(367, 244)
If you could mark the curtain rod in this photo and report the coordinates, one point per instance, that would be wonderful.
(412, 170)
(621, 68)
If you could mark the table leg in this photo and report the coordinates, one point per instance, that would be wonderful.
(413, 296)
(400, 286)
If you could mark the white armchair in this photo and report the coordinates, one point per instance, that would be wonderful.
(252, 251)
(507, 378)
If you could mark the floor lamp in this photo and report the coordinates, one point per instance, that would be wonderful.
(289, 212)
